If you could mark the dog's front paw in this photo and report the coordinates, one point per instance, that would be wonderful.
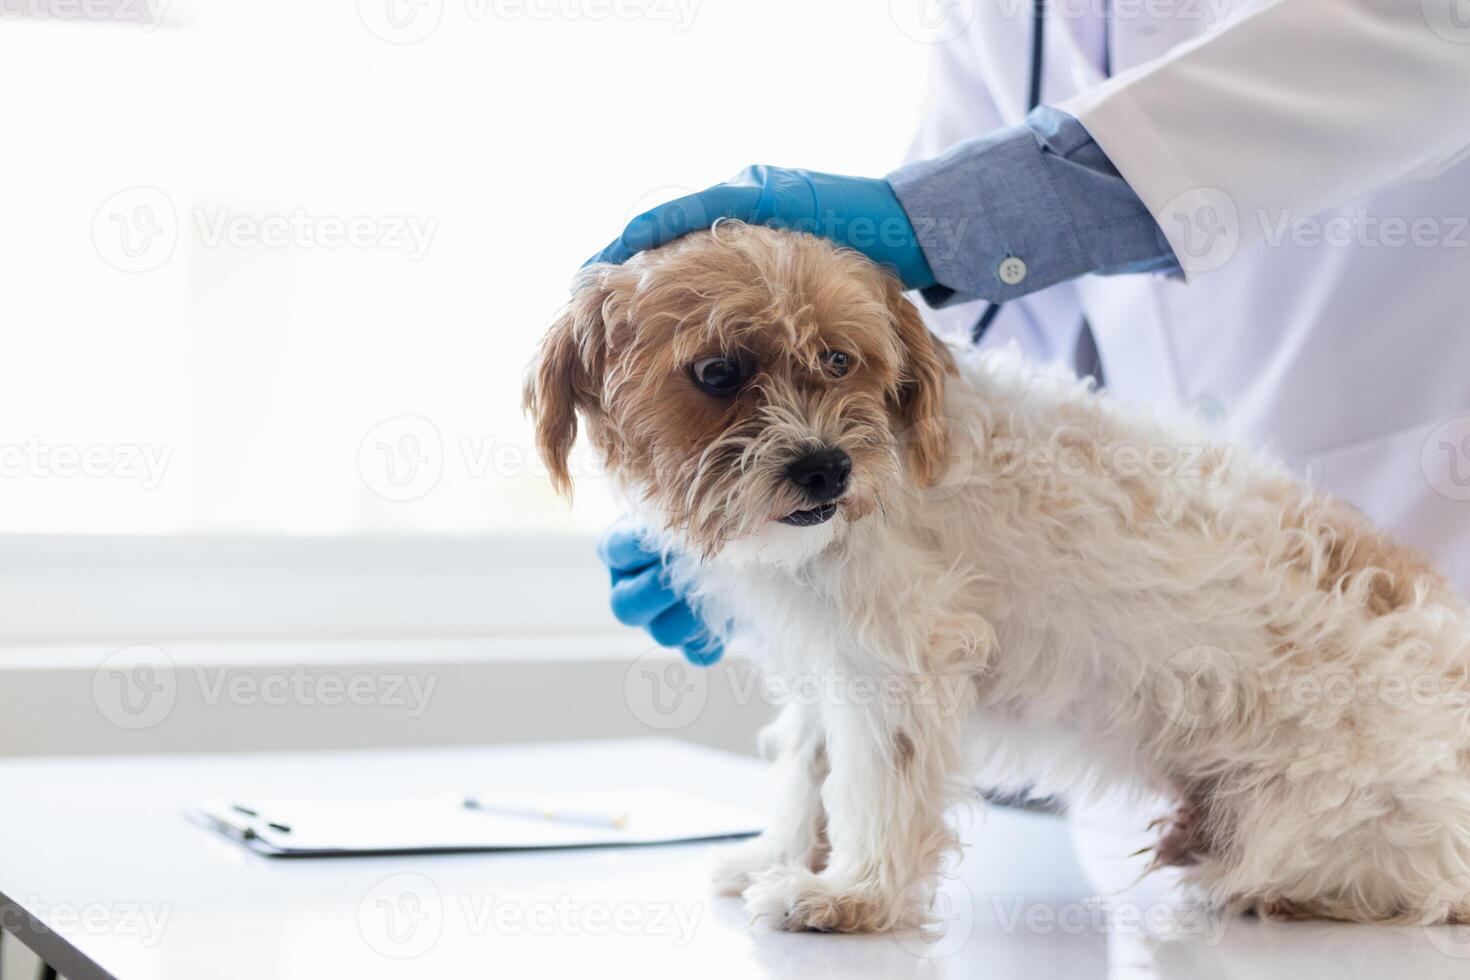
(795, 900)
(737, 866)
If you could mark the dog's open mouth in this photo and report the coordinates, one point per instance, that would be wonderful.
(810, 518)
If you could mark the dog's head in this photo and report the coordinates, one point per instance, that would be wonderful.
(756, 390)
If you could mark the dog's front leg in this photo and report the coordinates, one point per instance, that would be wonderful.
(796, 833)
(892, 758)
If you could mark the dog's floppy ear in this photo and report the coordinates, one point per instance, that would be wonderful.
(566, 376)
(926, 361)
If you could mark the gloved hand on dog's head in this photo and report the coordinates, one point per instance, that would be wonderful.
(862, 213)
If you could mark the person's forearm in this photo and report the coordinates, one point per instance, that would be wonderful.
(1025, 208)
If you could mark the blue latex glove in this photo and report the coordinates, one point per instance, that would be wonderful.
(862, 213)
(642, 596)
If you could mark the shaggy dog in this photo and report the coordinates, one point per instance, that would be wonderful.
(995, 570)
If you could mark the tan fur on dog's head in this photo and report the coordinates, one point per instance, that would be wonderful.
(621, 355)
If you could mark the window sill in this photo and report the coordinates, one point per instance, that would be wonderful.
(118, 590)
(315, 695)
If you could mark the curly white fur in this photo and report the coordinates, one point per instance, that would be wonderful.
(1195, 625)
(1086, 599)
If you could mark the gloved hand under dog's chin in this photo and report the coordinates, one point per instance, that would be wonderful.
(642, 596)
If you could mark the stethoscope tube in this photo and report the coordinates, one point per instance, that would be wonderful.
(1038, 42)
(1033, 99)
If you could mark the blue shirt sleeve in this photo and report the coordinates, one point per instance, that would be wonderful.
(1024, 208)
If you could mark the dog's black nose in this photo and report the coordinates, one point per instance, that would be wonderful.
(822, 474)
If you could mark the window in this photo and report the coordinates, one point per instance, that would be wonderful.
(278, 268)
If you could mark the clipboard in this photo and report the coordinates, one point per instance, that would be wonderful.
(343, 827)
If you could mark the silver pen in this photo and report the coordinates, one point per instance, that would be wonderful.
(547, 811)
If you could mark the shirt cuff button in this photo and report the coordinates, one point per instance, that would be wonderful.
(1011, 270)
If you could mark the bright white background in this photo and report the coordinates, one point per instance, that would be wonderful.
(267, 457)
(295, 388)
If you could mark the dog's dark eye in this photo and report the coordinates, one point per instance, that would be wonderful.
(837, 362)
(718, 375)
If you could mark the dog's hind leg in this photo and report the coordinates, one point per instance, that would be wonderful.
(1386, 852)
(1189, 833)
(796, 835)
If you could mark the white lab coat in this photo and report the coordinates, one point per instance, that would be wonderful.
(1277, 120)
(1313, 116)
